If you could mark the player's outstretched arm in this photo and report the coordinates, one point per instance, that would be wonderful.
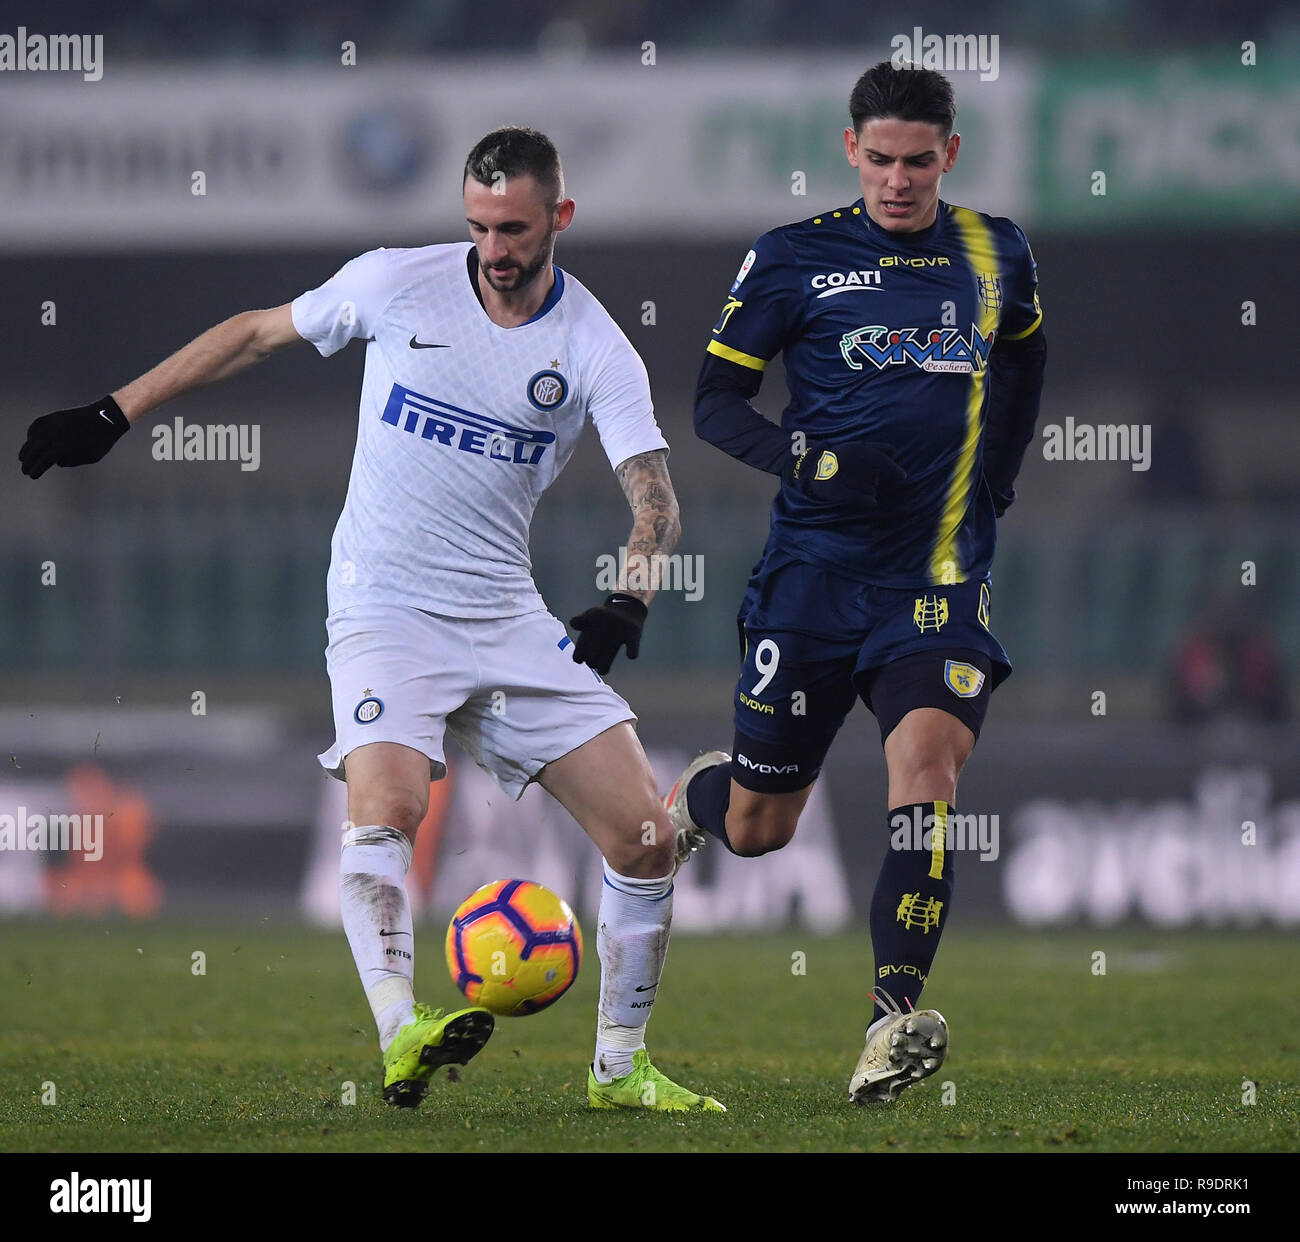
(222, 351)
(78, 437)
(656, 527)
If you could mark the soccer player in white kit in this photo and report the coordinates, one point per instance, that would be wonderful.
(483, 362)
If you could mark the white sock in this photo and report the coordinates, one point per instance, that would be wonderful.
(632, 942)
(377, 919)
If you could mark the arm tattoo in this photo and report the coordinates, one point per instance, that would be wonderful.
(656, 523)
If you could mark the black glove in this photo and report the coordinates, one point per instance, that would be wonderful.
(603, 630)
(1001, 501)
(848, 474)
(72, 437)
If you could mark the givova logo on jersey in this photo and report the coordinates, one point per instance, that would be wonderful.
(931, 349)
(442, 423)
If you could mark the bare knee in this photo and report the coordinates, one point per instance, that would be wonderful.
(761, 826)
(642, 847)
(936, 774)
(640, 862)
(389, 803)
(388, 783)
(925, 755)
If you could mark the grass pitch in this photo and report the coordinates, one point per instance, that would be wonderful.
(144, 1054)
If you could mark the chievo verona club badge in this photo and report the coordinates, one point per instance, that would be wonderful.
(964, 680)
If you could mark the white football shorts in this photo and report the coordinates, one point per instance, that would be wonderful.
(506, 689)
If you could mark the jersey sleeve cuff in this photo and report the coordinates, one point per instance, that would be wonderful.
(619, 452)
(300, 313)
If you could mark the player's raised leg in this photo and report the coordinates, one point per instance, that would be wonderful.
(607, 785)
(793, 694)
(388, 790)
(789, 704)
(707, 801)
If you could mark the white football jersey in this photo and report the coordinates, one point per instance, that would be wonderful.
(463, 425)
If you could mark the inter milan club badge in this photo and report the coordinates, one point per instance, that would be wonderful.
(547, 389)
(370, 708)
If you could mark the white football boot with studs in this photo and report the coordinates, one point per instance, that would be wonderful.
(902, 1048)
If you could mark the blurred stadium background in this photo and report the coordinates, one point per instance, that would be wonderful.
(133, 587)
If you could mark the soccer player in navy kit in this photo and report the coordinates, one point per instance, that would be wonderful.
(914, 355)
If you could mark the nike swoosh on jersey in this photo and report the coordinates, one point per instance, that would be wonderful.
(422, 345)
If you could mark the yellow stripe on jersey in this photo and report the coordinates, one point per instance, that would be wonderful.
(734, 355)
(1020, 336)
(982, 255)
(938, 839)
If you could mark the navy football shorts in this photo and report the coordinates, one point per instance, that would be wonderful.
(814, 642)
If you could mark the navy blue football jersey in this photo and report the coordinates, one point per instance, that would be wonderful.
(886, 338)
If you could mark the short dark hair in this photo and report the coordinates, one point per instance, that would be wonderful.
(515, 149)
(906, 93)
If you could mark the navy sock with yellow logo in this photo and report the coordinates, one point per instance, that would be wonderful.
(911, 901)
